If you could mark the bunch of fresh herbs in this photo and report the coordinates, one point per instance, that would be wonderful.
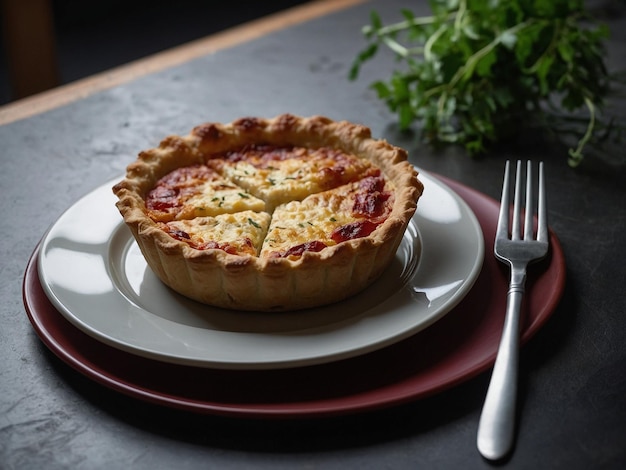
(477, 71)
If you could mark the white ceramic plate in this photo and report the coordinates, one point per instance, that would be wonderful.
(93, 272)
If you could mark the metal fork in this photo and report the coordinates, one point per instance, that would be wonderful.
(496, 428)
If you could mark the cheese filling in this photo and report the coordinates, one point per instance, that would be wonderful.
(239, 233)
(272, 201)
(281, 175)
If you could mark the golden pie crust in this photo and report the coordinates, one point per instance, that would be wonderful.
(247, 282)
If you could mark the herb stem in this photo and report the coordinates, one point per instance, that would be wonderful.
(431, 41)
(472, 61)
(395, 46)
(404, 25)
(576, 155)
(459, 17)
(555, 35)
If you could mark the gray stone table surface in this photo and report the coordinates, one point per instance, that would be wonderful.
(573, 372)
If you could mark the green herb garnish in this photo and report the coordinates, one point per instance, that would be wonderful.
(477, 71)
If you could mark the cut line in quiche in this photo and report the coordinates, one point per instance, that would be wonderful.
(272, 214)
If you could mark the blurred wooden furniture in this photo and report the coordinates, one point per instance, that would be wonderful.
(30, 46)
(43, 91)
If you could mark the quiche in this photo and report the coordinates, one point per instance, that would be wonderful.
(271, 214)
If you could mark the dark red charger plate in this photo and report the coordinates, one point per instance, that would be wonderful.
(456, 348)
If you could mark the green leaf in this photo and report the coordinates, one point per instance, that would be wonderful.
(543, 69)
(375, 20)
(405, 114)
(363, 56)
(381, 89)
(400, 88)
(602, 31)
(368, 52)
(483, 67)
(566, 51)
(527, 41)
(408, 14)
(449, 65)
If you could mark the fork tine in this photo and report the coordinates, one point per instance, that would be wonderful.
(502, 231)
(528, 219)
(515, 230)
(542, 229)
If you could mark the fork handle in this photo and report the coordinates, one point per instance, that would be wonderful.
(496, 427)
